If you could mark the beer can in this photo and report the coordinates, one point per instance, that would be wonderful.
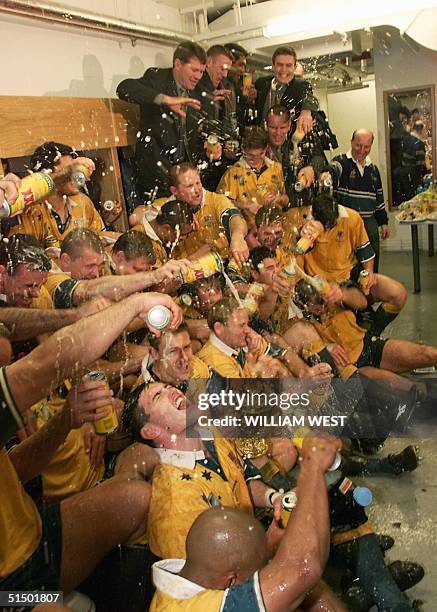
(184, 300)
(33, 188)
(320, 284)
(327, 182)
(290, 268)
(52, 242)
(212, 145)
(289, 501)
(305, 242)
(159, 317)
(300, 184)
(363, 282)
(109, 205)
(81, 175)
(247, 83)
(109, 423)
(205, 266)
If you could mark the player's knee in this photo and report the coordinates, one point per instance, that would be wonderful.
(301, 331)
(135, 496)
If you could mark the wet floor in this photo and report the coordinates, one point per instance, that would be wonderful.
(406, 507)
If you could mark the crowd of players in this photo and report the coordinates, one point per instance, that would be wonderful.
(256, 244)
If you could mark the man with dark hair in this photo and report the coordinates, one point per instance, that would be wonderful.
(255, 180)
(357, 184)
(243, 97)
(168, 99)
(133, 252)
(165, 227)
(284, 88)
(67, 207)
(216, 100)
(234, 350)
(218, 223)
(171, 359)
(296, 160)
(342, 250)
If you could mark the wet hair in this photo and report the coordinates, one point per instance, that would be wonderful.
(236, 50)
(284, 51)
(268, 215)
(186, 50)
(79, 239)
(217, 50)
(155, 341)
(304, 293)
(214, 282)
(177, 171)
(47, 155)
(325, 210)
(23, 249)
(134, 416)
(279, 111)
(175, 213)
(258, 254)
(221, 311)
(135, 244)
(254, 138)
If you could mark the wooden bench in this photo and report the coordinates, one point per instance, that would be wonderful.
(95, 125)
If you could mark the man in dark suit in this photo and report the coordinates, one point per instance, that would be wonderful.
(286, 89)
(169, 113)
(216, 98)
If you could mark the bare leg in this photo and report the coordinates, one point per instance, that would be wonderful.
(388, 290)
(402, 355)
(95, 521)
(300, 335)
(396, 382)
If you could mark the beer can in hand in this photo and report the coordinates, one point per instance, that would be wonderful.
(108, 423)
(288, 502)
(205, 266)
(33, 188)
(363, 282)
(159, 317)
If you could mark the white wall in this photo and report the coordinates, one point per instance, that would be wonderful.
(42, 59)
(350, 110)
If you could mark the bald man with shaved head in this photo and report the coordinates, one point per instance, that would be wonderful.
(227, 554)
(357, 185)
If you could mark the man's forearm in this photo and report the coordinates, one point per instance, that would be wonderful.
(309, 524)
(113, 288)
(67, 351)
(369, 264)
(25, 323)
(237, 226)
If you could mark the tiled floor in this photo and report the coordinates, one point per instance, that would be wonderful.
(406, 507)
